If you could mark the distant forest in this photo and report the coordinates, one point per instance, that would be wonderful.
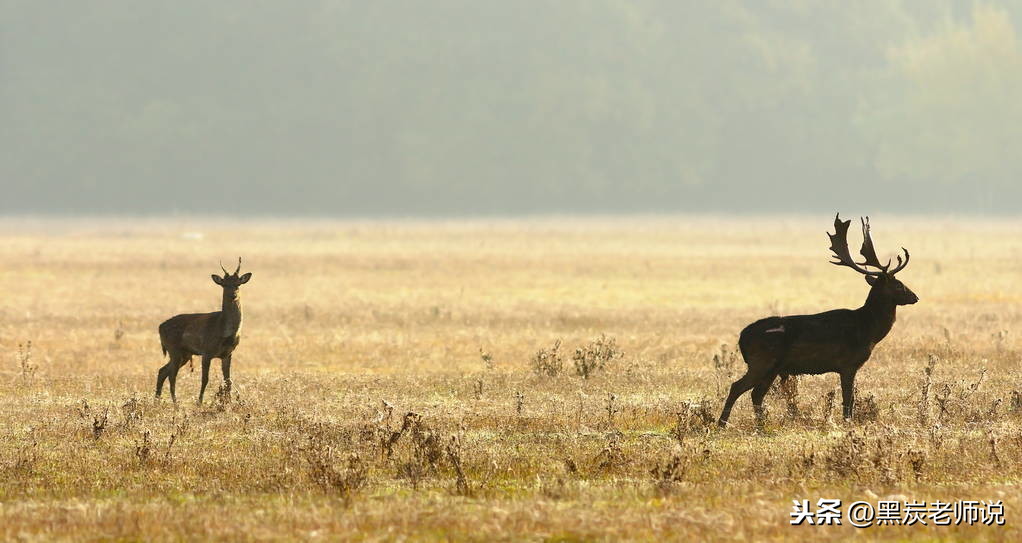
(474, 107)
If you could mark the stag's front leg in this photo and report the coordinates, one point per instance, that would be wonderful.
(225, 367)
(848, 394)
(206, 360)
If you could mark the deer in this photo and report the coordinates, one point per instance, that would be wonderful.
(838, 341)
(209, 335)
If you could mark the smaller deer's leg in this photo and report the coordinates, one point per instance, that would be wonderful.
(739, 387)
(759, 392)
(161, 376)
(206, 360)
(225, 367)
(848, 394)
(175, 364)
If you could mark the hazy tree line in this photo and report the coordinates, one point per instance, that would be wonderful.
(477, 107)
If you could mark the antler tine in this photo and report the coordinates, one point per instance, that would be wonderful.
(868, 251)
(839, 246)
(239, 266)
(223, 268)
(901, 265)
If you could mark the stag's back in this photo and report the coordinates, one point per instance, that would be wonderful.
(807, 344)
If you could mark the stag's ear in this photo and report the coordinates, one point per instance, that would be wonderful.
(871, 279)
(217, 279)
(245, 278)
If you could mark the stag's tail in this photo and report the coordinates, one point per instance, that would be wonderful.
(163, 339)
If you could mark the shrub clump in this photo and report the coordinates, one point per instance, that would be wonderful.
(595, 356)
(548, 362)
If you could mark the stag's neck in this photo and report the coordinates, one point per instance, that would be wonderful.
(879, 314)
(230, 315)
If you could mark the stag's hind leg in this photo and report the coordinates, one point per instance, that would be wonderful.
(763, 357)
(759, 392)
(739, 387)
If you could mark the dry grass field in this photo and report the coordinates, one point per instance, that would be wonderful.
(351, 326)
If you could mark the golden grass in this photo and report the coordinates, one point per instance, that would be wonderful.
(341, 317)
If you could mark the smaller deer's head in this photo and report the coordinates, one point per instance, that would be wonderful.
(883, 282)
(231, 282)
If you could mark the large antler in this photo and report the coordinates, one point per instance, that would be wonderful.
(239, 266)
(868, 251)
(901, 265)
(226, 273)
(839, 246)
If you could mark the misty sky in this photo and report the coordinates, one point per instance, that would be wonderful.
(476, 107)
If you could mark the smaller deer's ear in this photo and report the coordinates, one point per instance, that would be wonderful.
(871, 279)
(217, 279)
(245, 278)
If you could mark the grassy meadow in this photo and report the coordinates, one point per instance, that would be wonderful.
(420, 380)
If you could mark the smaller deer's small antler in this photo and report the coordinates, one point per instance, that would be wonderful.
(227, 273)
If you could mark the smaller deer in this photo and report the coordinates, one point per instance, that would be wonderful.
(209, 335)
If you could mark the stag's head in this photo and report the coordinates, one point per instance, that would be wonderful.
(232, 281)
(881, 278)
